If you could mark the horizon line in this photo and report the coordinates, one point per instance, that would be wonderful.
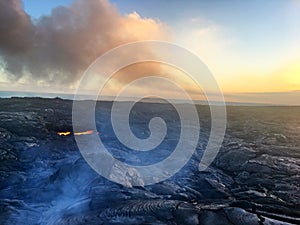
(69, 96)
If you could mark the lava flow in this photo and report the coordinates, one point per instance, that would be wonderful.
(64, 133)
(67, 133)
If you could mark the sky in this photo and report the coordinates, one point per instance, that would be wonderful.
(251, 47)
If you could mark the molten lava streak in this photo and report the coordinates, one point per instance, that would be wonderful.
(83, 133)
(66, 133)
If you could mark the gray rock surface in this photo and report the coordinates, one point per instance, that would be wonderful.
(255, 178)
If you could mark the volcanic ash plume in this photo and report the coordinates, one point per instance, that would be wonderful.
(57, 48)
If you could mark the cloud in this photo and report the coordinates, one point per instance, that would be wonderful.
(57, 48)
(239, 67)
(16, 28)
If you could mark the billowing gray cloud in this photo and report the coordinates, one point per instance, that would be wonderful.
(16, 28)
(57, 48)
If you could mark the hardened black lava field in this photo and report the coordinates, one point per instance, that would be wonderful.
(255, 178)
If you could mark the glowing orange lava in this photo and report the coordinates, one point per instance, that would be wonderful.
(67, 133)
(83, 133)
(64, 133)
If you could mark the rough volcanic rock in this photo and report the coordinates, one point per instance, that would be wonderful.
(255, 178)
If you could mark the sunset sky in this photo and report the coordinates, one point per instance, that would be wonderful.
(252, 47)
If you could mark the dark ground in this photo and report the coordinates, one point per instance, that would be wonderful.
(255, 178)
